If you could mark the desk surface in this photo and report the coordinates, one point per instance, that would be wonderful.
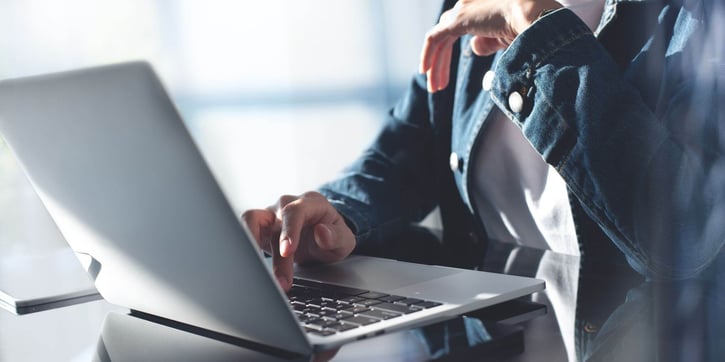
(98, 330)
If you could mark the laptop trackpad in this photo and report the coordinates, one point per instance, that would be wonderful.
(377, 274)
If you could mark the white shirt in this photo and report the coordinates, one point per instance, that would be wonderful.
(522, 200)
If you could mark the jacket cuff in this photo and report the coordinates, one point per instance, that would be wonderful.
(350, 211)
(546, 46)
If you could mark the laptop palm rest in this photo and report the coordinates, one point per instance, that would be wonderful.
(384, 275)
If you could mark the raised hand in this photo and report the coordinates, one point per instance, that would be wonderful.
(494, 24)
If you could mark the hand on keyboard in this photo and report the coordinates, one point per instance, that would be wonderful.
(300, 229)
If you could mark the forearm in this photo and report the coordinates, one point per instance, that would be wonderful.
(393, 181)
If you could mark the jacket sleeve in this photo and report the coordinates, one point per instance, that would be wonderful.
(402, 176)
(391, 183)
(641, 148)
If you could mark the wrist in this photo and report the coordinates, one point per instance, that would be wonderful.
(524, 13)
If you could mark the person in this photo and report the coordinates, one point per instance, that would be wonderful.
(590, 127)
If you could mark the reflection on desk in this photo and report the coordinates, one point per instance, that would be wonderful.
(64, 334)
(99, 331)
(73, 333)
(127, 337)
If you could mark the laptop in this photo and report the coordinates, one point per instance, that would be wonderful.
(121, 176)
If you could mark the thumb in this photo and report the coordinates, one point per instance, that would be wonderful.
(326, 237)
(335, 241)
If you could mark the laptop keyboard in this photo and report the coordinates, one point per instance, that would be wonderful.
(324, 309)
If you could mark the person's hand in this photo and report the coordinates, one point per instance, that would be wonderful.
(303, 229)
(493, 23)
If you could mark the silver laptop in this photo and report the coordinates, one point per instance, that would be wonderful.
(122, 178)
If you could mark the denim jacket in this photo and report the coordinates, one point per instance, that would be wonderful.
(632, 117)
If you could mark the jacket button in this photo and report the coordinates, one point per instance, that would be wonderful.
(455, 162)
(516, 102)
(590, 328)
(487, 82)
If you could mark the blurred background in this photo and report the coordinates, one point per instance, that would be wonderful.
(280, 95)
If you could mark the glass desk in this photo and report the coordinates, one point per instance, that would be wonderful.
(100, 331)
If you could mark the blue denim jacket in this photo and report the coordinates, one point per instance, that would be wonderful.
(632, 119)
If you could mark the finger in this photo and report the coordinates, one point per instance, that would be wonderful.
(442, 66)
(431, 43)
(294, 216)
(283, 267)
(282, 202)
(333, 241)
(310, 209)
(425, 55)
(325, 237)
(437, 53)
(449, 25)
(279, 208)
(483, 46)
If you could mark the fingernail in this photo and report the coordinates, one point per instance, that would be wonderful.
(285, 247)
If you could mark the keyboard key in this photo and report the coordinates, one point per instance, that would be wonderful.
(327, 312)
(341, 315)
(427, 304)
(380, 314)
(322, 323)
(341, 305)
(391, 298)
(297, 306)
(355, 309)
(351, 300)
(316, 302)
(363, 321)
(409, 301)
(398, 308)
(314, 321)
(368, 302)
(372, 295)
(305, 318)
